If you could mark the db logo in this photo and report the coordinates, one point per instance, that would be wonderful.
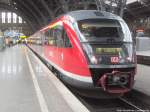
(114, 59)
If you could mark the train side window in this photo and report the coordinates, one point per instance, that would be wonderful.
(52, 40)
(58, 36)
(42, 38)
(49, 38)
(46, 37)
(67, 42)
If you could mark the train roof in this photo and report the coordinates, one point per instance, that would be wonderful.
(87, 14)
(92, 14)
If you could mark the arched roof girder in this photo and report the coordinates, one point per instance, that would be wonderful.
(37, 10)
(26, 16)
(64, 4)
(56, 11)
(51, 14)
(26, 8)
(9, 8)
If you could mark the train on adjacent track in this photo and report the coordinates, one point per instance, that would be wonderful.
(90, 49)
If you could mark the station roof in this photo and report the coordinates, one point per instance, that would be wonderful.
(38, 13)
(92, 14)
(138, 9)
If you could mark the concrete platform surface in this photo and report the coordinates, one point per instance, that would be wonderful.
(143, 53)
(142, 83)
(26, 85)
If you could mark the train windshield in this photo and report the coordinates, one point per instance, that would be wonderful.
(104, 30)
(106, 41)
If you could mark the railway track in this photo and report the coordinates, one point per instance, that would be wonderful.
(121, 104)
(135, 107)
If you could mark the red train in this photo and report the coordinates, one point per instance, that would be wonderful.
(90, 50)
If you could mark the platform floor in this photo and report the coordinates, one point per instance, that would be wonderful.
(143, 53)
(26, 86)
(142, 78)
(143, 72)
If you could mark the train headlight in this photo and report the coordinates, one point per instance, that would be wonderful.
(93, 60)
(129, 58)
(130, 54)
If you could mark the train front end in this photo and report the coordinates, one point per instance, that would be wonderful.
(110, 53)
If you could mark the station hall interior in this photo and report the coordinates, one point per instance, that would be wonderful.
(74, 55)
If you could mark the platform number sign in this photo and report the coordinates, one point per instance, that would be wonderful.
(114, 59)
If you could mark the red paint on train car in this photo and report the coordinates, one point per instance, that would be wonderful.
(70, 59)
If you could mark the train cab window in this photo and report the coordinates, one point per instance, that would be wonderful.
(102, 30)
(67, 42)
